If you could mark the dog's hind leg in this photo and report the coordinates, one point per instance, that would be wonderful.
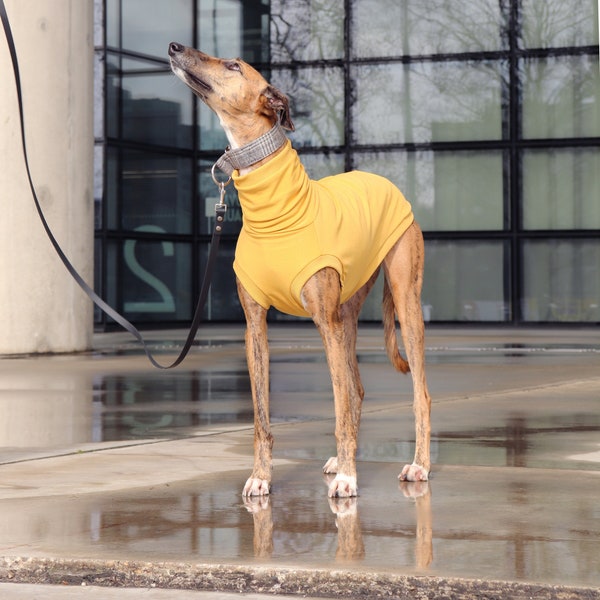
(321, 297)
(257, 355)
(404, 272)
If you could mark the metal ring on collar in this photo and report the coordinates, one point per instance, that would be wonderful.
(215, 179)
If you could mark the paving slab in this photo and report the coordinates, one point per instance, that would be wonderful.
(23, 591)
(115, 475)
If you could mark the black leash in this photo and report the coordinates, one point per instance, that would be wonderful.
(113, 314)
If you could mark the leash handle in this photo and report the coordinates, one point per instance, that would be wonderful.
(113, 314)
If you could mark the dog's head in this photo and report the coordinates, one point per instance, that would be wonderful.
(231, 88)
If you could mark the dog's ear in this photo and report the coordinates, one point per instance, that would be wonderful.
(278, 102)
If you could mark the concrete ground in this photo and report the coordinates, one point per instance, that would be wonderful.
(118, 480)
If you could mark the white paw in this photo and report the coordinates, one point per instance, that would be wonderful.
(256, 487)
(343, 486)
(331, 466)
(414, 472)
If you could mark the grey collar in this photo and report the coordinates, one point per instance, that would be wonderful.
(250, 154)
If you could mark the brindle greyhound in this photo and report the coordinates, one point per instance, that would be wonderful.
(248, 107)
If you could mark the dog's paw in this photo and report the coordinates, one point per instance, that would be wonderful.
(256, 487)
(343, 486)
(414, 472)
(331, 466)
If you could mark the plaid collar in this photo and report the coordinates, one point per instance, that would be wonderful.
(246, 156)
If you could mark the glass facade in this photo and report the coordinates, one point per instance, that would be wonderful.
(486, 113)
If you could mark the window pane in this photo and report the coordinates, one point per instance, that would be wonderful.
(113, 84)
(211, 134)
(561, 97)
(230, 28)
(371, 310)
(561, 280)
(99, 150)
(149, 25)
(393, 28)
(306, 30)
(317, 104)
(222, 303)
(112, 188)
(323, 164)
(112, 22)
(99, 95)
(98, 271)
(156, 278)
(449, 191)
(157, 109)
(156, 192)
(425, 102)
(561, 189)
(466, 281)
(548, 23)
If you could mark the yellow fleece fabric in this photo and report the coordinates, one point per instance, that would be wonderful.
(293, 226)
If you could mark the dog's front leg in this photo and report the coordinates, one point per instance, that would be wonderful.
(321, 297)
(257, 355)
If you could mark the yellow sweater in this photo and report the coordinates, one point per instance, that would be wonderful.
(293, 226)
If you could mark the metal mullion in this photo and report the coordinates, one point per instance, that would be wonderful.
(470, 234)
(490, 55)
(514, 278)
(560, 234)
(196, 240)
(348, 88)
(435, 146)
(558, 51)
(101, 234)
(533, 144)
(119, 293)
(140, 55)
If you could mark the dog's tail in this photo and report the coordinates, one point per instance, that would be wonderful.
(389, 330)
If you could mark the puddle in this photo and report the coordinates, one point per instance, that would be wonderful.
(158, 405)
(488, 524)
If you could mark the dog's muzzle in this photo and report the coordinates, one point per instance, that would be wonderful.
(179, 66)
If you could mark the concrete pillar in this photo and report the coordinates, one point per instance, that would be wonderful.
(41, 308)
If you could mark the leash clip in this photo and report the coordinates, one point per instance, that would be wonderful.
(221, 207)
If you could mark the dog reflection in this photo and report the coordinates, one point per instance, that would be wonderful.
(420, 492)
(260, 508)
(350, 540)
(350, 546)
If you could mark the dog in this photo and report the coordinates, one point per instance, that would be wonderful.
(283, 259)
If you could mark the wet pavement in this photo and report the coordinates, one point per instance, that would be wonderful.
(113, 473)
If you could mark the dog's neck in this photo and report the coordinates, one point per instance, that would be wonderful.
(249, 152)
(232, 138)
(245, 128)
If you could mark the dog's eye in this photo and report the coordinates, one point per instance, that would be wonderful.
(233, 65)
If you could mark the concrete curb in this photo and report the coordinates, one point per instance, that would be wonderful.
(277, 581)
